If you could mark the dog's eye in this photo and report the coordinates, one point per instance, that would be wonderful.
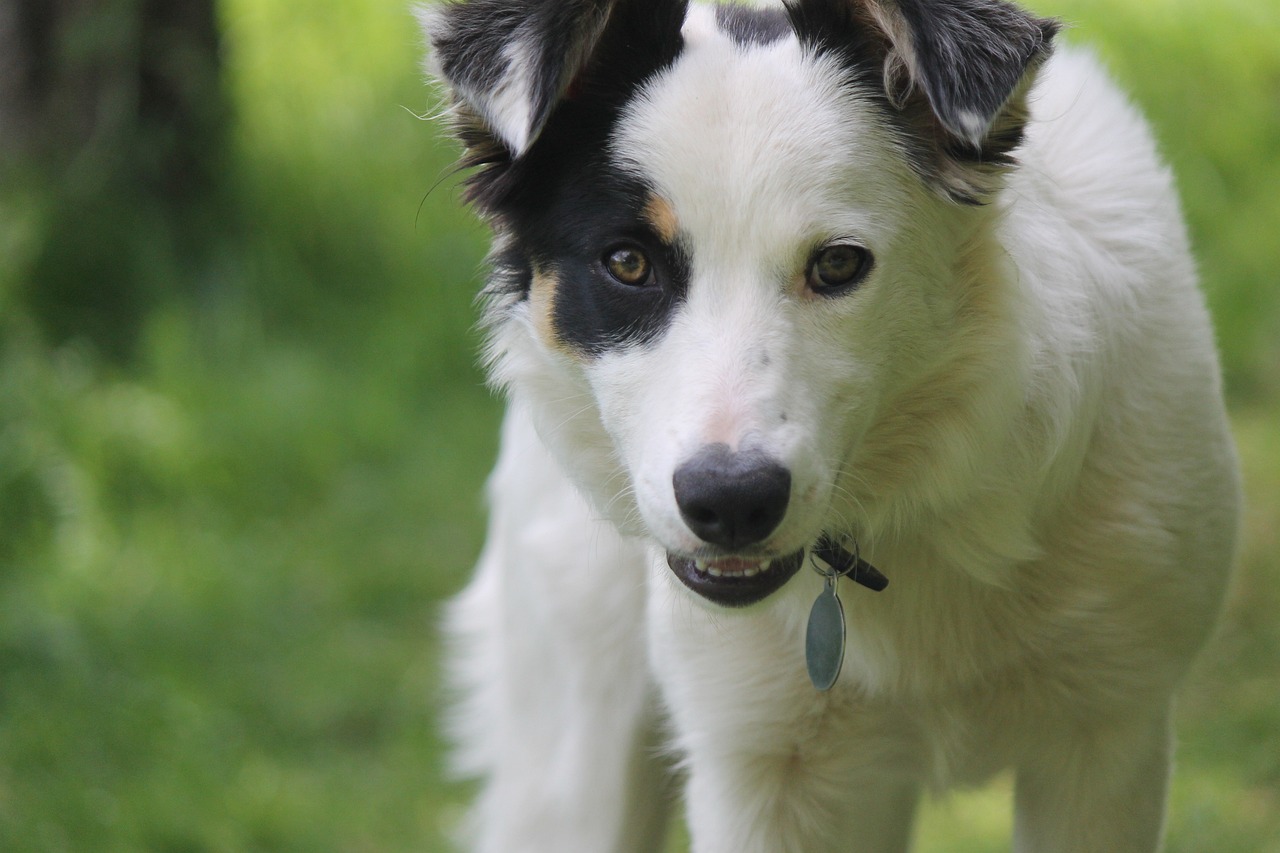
(628, 265)
(838, 268)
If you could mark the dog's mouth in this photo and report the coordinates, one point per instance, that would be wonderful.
(735, 581)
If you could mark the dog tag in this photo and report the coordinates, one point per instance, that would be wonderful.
(824, 638)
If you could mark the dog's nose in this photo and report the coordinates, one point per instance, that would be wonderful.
(731, 499)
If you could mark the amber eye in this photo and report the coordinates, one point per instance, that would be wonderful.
(628, 265)
(838, 268)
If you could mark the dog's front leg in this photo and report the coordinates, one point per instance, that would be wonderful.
(556, 704)
(1096, 791)
(780, 805)
(775, 766)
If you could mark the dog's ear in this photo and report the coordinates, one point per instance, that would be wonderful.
(956, 71)
(509, 63)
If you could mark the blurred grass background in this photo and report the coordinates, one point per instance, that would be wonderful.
(242, 437)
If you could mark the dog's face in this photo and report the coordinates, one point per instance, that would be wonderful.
(727, 238)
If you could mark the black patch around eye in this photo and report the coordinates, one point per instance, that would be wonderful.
(571, 226)
(562, 204)
(593, 313)
(751, 25)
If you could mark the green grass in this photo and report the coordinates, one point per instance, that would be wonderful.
(222, 558)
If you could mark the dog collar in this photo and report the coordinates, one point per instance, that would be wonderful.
(846, 565)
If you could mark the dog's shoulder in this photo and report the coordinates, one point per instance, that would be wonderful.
(1092, 211)
(1090, 147)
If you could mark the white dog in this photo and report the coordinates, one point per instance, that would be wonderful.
(781, 295)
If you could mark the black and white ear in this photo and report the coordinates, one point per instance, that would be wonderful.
(971, 58)
(956, 71)
(511, 60)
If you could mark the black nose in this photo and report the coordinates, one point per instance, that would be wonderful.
(731, 499)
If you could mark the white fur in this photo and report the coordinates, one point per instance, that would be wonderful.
(1018, 415)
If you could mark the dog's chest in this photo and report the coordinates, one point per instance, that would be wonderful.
(948, 674)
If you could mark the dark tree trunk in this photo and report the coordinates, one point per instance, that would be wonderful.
(111, 111)
(113, 88)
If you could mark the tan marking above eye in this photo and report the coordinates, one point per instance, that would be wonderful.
(662, 217)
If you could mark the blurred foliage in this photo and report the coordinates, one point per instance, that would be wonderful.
(111, 119)
(228, 513)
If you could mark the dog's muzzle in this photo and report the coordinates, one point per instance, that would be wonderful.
(733, 501)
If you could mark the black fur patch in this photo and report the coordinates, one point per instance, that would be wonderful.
(561, 205)
(642, 37)
(971, 55)
(473, 48)
(752, 25)
(583, 215)
(843, 28)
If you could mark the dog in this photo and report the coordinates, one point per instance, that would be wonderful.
(791, 302)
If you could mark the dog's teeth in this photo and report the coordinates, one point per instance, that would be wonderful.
(736, 569)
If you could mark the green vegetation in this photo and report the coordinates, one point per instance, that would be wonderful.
(223, 546)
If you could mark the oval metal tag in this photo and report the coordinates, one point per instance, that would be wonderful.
(824, 639)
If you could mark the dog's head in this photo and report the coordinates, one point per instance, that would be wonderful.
(736, 249)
